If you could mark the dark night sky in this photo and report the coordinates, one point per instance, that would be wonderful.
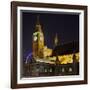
(65, 25)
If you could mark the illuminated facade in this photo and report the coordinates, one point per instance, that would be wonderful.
(39, 49)
(38, 41)
(47, 52)
(65, 59)
(61, 60)
(42, 51)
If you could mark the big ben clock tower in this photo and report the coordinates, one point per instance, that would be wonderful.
(38, 41)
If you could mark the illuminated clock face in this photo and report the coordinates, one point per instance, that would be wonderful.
(35, 38)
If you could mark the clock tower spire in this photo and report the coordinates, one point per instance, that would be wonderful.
(38, 23)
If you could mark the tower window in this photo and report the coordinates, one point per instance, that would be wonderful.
(70, 69)
(63, 69)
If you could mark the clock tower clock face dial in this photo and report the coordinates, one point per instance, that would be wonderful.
(35, 38)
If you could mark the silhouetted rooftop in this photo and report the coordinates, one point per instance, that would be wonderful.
(67, 48)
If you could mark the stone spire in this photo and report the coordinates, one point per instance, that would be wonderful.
(56, 40)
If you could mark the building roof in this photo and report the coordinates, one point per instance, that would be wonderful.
(67, 48)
